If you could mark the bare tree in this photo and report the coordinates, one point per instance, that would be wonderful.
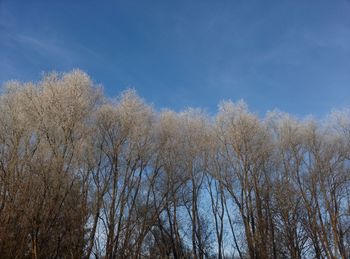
(83, 176)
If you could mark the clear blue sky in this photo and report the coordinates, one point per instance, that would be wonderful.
(292, 55)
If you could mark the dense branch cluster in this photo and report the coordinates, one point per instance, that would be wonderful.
(82, 176)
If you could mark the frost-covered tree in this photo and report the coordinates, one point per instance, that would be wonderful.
(84, 176)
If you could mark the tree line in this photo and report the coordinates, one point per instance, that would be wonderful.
(84, 176)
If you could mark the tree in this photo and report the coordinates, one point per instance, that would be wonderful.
(83, 176)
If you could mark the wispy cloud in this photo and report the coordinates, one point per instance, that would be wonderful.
(45, 46)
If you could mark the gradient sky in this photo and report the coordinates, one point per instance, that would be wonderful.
(291, 55)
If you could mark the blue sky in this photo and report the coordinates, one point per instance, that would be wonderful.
(292, 55)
